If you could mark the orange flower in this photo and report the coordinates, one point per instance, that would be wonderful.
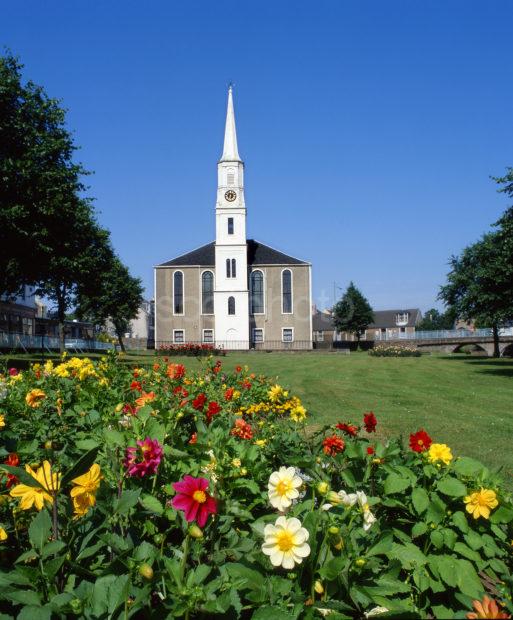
(145, 398)
(34, 398)
(175, 371)
(487, 608)
(156, 367)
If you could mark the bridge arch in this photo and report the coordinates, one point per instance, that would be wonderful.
(475, 347)
(507, 351)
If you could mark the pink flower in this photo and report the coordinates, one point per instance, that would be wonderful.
(194, 500)
(143, 459)
(13, 372)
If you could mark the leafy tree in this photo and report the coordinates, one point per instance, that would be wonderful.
(117, 297)
(353, 313)
(39, 181)
(433, 319)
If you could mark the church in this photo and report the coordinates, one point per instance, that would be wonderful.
(235, 293)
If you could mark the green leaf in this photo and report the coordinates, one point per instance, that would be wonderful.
(436, 510)
(418, 529)
(23, 476)
(127, 500)
(468, 580)
(272, 611)
(445, 566)
(503, 514)
(460, 521)
(382, 547)
(25, 597)
(450, 537)
(437, 538)
(333, 568)
(420, 499)
(473, 540)
(53, 547)
(465, 466)
(113, 437)
(452, 487)
(81, 466)
(152, 504)
(395, 484)
(39, 530)
(252, 577)
(32, 612)
(467, 552)
(409, 555)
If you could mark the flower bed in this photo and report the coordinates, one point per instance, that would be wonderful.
(161, 493)
(394, 350)
(190, 348)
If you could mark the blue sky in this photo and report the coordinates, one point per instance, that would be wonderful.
(369, 129)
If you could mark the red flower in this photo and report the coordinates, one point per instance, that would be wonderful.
(246, 385)
(193, 439)
(238, 368)
(13, 372)
(420, 441)
(136, 385)
(175, 371)
(370, 422)
(129, 409)
(149, 452)
(135, 374)
(213, 409)
(350, 429)
(333, 444)
(228, 395)
(370, 450)
(14, 460)
(242, 429)
(194, 500)
(199, 402)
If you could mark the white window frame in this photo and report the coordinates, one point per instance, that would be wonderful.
(402, 318)
(291, 329)
(263, 292)
(319, 336)
(203, 336)
(174, 336)
(183, 292)
(258, 329)
(291, 291)
(201, 291)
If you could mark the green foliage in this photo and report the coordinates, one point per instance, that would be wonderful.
(353, 312)
(133, 555)
(433, 319)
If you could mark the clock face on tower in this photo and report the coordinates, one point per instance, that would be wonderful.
(230, 195)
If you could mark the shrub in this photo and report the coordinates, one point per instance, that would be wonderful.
(394, 350)
(190, 348)
(162, 493)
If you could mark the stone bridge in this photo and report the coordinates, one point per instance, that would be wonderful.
(453, 344)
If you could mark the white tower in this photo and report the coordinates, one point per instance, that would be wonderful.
(231, 296)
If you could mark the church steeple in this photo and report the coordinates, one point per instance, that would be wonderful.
(230, 150)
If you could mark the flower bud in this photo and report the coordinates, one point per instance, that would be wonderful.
(119, 407)
(194, 531)
(361, 562)
(334, 529)
(146, 571)
(323, 487)
(318, 587)
(334, 498)
(48, 445)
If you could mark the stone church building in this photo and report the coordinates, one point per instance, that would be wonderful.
(235, 292)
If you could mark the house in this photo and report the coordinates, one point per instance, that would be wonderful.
(387, 325)
(235, 292)
(17, 314)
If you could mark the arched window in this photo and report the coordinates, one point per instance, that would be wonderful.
(178, 292)
(207, 292)
(256, 286)
(286, 291)
(231, 305)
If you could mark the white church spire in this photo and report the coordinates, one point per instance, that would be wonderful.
(230, 150)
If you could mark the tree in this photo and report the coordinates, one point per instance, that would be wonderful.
(475, 285)
(435, 320)
(39, 181)
(117, 297)
(353, 313)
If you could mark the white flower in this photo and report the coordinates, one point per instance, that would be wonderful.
(283, 487)
(346, 499)
(285, 542)
(368, 517)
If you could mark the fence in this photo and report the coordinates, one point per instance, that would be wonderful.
(241, 345)
(27, 342)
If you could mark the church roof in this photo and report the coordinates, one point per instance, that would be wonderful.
(258, 254)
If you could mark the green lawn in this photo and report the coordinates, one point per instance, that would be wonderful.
(464, 401)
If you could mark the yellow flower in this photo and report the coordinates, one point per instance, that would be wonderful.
(36, 496)
(275, 393)
(283, 487)
(34, 398)
(84, 493)
(236, 462)
(285, 542)
(440, 452)
(3, 534)
(235, 395)
(260, 442)
(298, 414)
(481, 502)
(2, 421)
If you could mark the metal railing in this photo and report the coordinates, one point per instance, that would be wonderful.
(239, 345)
(25, 341)
(445, 334)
